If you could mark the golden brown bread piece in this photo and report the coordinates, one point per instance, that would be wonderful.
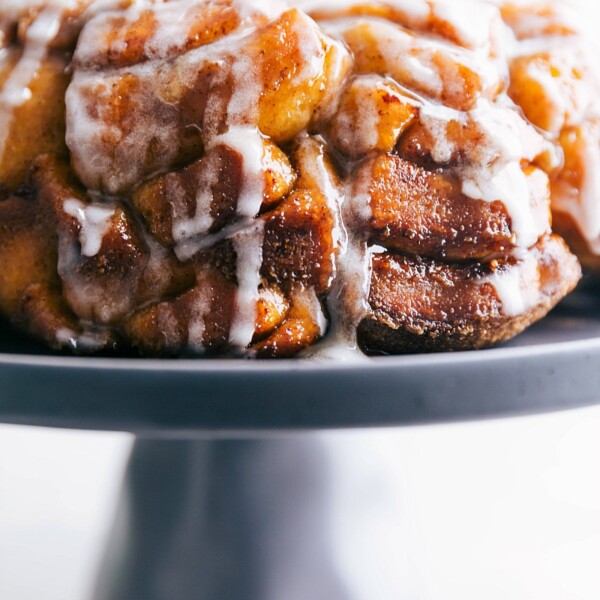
(124, 42)
(425, 212)
(422, 305)
(459, 80)
(218, 177)
(378, 96)
(40, 248)
(30, 286)
(37, 125)
(28, 251)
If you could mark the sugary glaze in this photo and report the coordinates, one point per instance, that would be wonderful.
(250, 177)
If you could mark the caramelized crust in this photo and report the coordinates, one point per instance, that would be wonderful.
(425, 212)
(427, 306)
(298, 243)
(28, 252)
(38, 125)
(298, 331)
(212, 185)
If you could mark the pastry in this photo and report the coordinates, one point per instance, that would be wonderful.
(223, 177)
(555, 79)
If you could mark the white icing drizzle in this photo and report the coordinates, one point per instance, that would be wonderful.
(86, 132)
(412, 66)
(426, 64)
(552, 89)
(570, 100)
(99, 6)
(249, 143)
(94, 221)
(348, 303)
(184, 228)
(197, 325)
(87, 341)
(359, 137)
(168, 324)
(248, 247)
(537, 16)
(311, 158)
(472, 22)
(348, 299)
(588, 215)
(157, 117)
(508, 184)
(15, 91)
(436, 119)
(13, 10)
(312, 303)
(172, 22)
(415, 10)
(270, 8)
(518, 287)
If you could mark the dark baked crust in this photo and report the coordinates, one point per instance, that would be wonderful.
(423, 305)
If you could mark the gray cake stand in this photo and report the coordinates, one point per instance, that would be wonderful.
(221, 500)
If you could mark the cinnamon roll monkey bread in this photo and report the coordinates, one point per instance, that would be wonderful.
(231, 177)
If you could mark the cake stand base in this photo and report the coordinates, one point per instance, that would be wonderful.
(250, 520)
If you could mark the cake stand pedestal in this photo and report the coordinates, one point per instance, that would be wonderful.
(216, 520)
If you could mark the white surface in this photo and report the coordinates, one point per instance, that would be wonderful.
(500, 510)
(57, 495)
(496, 510)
